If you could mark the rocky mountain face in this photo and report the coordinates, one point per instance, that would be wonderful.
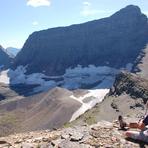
(131, 84)
(5, 60)
(114, 41)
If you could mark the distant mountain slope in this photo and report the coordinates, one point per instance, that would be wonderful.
(46, 110)
(4, 58)
(12, 52)
(114, 41)
(127, 97)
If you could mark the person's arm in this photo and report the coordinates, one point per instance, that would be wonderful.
(144, 123)
(141, 125)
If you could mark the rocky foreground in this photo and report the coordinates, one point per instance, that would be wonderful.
(101, 135)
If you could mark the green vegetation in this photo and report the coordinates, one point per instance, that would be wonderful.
(90, 120)
(89, 117)
(66, 125)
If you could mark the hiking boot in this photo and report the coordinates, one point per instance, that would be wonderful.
(122, 123)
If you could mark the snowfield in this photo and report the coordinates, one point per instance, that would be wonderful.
(93, 97)
(4, 78)
(78, 77)
(97, 80)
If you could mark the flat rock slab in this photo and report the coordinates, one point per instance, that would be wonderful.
(27, 145)
(70, 144)
(76, 136)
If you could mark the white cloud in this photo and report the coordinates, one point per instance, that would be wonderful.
(88, 10)
(35, 23)
(38, 3)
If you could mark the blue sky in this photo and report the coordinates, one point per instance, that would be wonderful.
(19, 18)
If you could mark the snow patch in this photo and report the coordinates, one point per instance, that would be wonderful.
(18, 76)
(96, 96)
(4, 77)
(78, 77)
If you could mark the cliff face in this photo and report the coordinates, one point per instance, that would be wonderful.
(4, 58)
(113, 41)
(131, 84)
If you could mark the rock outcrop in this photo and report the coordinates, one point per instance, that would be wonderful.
(114, 41)
(131, 84)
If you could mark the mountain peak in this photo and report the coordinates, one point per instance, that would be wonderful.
(132, 8)
(122, 35)
(12, 52)
(129, 11)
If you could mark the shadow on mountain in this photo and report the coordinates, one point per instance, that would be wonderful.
(24, 89)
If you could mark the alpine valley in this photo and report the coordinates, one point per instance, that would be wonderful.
(72, 75)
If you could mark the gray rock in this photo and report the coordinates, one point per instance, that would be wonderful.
(45, 145)
(56, 142)
(65, 136)
(76, 136)
(45, 139)
(39, 139)
(70, 144)
(27, 145)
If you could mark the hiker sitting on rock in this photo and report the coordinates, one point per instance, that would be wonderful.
(136, 135)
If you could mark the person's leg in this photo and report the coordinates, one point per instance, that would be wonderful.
(135, 135)
(132, 134)
(123, 124)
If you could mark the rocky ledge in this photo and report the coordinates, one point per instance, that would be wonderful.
(132, 84)
(101, 135)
